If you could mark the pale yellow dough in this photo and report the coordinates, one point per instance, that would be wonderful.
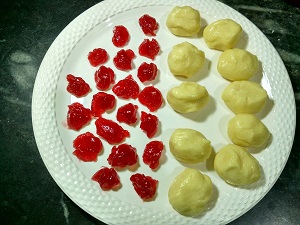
(236, 165)
(189, 192)
(223, 34)
(189, 146)
(244, 97)
(187, 97)
(237, 64)
(184, 21)
(185, 59)
(247, 130)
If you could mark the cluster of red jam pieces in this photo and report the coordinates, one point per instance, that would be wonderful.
(122, 156)
(107, 178)
(77, 86)
(145, 186)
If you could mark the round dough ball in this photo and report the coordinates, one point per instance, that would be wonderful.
(185, 59)
(247, 130)
(222, 34)
(189, 192)
(236, 165)
(244, 97)
(184, 21)
(237, 64)
(189, 146)
(187, 97)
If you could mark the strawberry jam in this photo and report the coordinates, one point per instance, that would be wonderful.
(87, 147)
(122, 156)
(121, 36)
(107, 178)
(145, 186)
(149, 124)
(152, 153)
(104, 77)
(147, 72)
(126, 88)
(77, 86)
(151, 98)
(98, 56)
(148, 25)
(123, 59)
(78, 116)
(109, 130)
(101, 103)
(127, 113)
(149, 49)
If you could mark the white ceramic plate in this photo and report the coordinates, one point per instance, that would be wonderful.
(68, 54)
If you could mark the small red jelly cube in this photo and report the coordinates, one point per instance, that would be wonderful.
(151, 97)
(149, 124)
(102, 102)
(152, 153)
(104, 77)
(78, 116)
(122, 156)
(98, 56)
(145, 186)
(121, 36)
(127, 113)
(123, 59)
(147, 72)
(77, 86)
(149, 49)
(107, 178)
(148, 25)
(126, 88)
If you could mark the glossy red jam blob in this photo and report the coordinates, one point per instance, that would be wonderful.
(148, 25)
(78, 116)
(122, 156)
(149, 49)
(77, 86)
(87, 147)
(104, 77)
(145, 186)
(127, 113)
(147, 72)
(149, 124)
(102, 102)
(126, 88)
(98, 56)
(107, 178)
(121, 36)
(109, 130)
(151, 97)
(152, 153)
(123, 59)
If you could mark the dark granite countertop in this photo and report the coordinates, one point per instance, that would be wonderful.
(28, 194)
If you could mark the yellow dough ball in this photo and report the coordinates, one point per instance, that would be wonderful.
(247, 130)
(185, 59)
(184, 21)
(189, 146)
(236, 165)
(244, 97)
(222, 34)
(189, 192)
(187, 97)
(237, 64)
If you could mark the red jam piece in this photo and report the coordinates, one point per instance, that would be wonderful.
(148, 25)
(149, 124)
(107, 178)
(147, 72)
(145, 186)
(122, 156)
(123, 59)
(104, 77)
(77, 86)
(126, 88)
(151, 98)
(121, 36)
(149, 49)
(127, 113)
(78, 116)
(87, 147)
(109, 130)
(152, 153)
(101, 103)
(98, 56)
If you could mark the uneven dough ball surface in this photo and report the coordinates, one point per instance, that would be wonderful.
(187, 97)
(236, 165)
(189, 192)
(247, 130)
(185, 59)
(189, 146)
(244, 97)
(184, 21)
(237, 64)
(223, 34)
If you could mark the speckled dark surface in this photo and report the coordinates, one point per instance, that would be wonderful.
(28, 194)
